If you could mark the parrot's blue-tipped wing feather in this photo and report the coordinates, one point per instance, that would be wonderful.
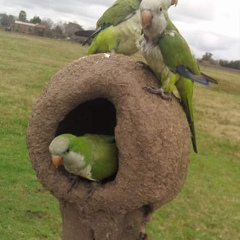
(183, 71)
(188, 73)
(209, 79)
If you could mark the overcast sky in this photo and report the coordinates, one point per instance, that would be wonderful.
(207, 25)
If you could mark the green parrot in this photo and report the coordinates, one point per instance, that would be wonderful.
(119, 28)
(170, 58)
(94, 157)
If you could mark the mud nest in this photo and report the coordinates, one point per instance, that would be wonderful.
(104, 94)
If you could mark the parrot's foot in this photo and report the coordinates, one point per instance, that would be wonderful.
(143, 236)
(158, 91)
(92, 186)
(74, 182)
(143, 65)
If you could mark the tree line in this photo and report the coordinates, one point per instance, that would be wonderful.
(208, 57)
(52, 29)
(230, 64)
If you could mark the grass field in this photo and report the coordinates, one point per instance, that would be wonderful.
(208, 208)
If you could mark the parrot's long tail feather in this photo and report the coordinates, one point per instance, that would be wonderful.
(188, 110)
(89, 34)
(84, 33)
(185, 89)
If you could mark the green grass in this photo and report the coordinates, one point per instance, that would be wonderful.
(206, 209)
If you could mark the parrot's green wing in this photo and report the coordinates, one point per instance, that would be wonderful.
(176, 52)
(102, 155)
(118, 12)
(178, 56)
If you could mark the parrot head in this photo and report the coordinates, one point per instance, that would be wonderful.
(153, 16)
(59, 148)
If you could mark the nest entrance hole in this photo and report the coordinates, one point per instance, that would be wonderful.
(96, 116)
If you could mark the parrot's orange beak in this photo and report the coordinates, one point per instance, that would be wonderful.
(146, 18)
(174, 2)
(56, 160)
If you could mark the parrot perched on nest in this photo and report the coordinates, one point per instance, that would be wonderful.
(93, 157)
(119, 28)
(170, 58)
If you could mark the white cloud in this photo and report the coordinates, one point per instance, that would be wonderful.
(212, 26)
(220, 46)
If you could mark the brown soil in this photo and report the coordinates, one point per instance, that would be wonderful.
(104, 94)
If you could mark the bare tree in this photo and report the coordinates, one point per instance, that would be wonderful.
(70, 28)
(49, 24)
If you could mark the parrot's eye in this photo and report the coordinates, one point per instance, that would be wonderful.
(160, 9)
(67, 151)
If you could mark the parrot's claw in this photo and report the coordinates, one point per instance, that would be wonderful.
(143, 65)
(91, 188)
(143, 236)
(74, 183)
(158, 91)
